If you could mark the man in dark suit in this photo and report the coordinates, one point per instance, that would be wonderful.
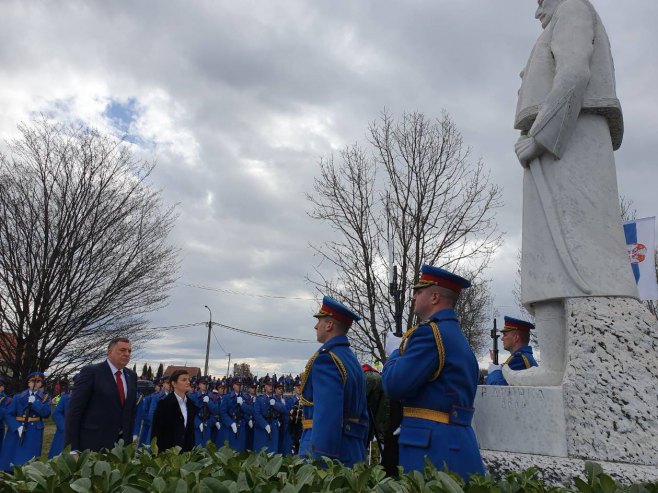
(173, 421)
(102, 404)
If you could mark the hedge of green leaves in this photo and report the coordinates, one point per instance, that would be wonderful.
(130, 470)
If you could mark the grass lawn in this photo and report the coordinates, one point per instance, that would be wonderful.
(48, 433)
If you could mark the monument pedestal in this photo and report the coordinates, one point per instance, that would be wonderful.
(606, 409)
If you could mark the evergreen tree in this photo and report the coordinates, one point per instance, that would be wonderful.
(145, 371)
(160, 371)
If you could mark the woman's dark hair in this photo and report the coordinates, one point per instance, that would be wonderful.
(178, 373)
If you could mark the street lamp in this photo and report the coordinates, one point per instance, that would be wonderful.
(205, 371)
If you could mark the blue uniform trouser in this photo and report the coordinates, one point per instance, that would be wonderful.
(13, 452)
(57, 444)
(451, 445)
(262, 439)
(352, 449)
(238, 442)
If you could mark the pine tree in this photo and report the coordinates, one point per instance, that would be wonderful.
(145, 371)
(160, 371)
(150, 373)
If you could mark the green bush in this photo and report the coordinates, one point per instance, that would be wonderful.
(128, 469)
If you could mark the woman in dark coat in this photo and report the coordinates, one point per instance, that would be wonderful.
(173, 421)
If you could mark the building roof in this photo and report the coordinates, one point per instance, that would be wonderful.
(194, 371)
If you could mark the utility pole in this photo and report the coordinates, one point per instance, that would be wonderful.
(228, 367)
(205, 371)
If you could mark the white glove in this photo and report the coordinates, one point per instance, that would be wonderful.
(31, 399)
(218, 425)
(135, 438)
(493, 368)
(397, 431)
(240, 400)
(234, 427)
(206, 399)
(251, 423)
(268, 428)
(272, 402)
(20, 431)
(201, 427)
(392, 343)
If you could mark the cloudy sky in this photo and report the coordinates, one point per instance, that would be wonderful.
(238, 100)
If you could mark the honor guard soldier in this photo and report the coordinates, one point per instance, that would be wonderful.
(25, 424)
(205, 418)
(147, 416)
(285, 439)
(5, 402)
(516, 339)
(333, 391)
(266, 413)
(58, 416)
(236, 413)
(296, 416)
(250, 399)
(434, 373)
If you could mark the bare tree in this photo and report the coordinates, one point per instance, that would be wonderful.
(242, 370)
(83, 251)
(437, 204)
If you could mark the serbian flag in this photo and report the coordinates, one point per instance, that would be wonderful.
(641, 246)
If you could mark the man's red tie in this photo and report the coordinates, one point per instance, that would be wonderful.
(122, 394)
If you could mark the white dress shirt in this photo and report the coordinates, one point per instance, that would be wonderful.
(182, 403)
(123, 378)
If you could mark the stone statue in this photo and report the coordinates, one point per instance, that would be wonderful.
(571, 122)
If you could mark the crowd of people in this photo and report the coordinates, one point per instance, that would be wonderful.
(335, 408)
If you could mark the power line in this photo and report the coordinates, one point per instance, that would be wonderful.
(181, 326)
(217, 341)
(264, 336)
(242, 293)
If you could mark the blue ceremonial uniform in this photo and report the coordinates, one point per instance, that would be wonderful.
(5, 402)
(147, 419)
(240, 414)
(267, 414)
(141, 405)
(285, 437)
(521, 359)
(59, 413)
(18, 451)
(333, 396)
(205, 416)
(435, 375)
(251, 421)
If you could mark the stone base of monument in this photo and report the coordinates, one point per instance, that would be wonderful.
(606, 409)
(560, 471)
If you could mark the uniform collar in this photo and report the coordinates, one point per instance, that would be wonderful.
(444, 314)
(524, 349)
(336, 341)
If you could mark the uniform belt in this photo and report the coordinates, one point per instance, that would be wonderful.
(429, 414)
(307, 424)
(22, 419)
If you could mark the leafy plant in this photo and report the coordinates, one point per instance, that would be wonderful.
(128, 469)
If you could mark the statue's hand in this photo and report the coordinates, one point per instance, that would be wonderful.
(527, 149)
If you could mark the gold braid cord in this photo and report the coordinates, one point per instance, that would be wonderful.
(439, 346)
(341, 367)
(405, 339)
(307, 371)
(440, 349)
(525, 360)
